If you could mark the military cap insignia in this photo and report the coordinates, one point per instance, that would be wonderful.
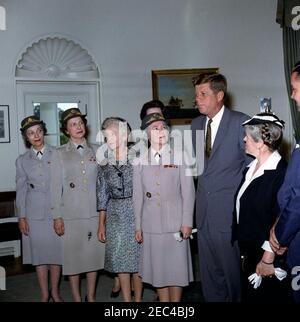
(72, 185)
(148, 194)
(150, 118)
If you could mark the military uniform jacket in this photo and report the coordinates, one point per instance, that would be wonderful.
(32, 184)
(73, 182)
(163, 196)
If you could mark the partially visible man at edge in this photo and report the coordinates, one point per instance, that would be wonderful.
(287, 229)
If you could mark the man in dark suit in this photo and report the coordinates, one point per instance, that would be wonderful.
(225, 160)
(287, 229)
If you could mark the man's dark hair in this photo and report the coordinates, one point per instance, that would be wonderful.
(151, 104)
(217, 82)
(296, 69)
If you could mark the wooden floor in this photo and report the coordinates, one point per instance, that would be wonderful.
(13, 266)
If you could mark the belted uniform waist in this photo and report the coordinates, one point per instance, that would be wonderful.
(120, 198)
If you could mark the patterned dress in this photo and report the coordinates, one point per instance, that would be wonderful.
(114, 195)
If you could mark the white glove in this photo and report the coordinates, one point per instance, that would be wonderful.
(255, 279)
(178, 237)
(280, 273)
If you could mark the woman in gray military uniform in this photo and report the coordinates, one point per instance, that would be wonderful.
(163, 198)
(73, 204)
(114, 196)
(41, 246)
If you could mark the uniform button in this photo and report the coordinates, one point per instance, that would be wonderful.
(85, 190)
(208, 193)
(84, 181)
(119, 189)
(158, 204)
(82, 162)
(158, 183)
(83, 171)
(158, 194)
(120, 174)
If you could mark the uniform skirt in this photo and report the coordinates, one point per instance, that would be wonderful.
(42, 245)
(165, 261)
(82, 251)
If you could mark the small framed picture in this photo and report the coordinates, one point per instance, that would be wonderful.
(4, 124)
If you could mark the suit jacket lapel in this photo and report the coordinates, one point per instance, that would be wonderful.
(223, 127)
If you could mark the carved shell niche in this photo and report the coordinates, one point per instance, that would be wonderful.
(56, 58)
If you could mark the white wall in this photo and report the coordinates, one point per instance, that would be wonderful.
(129, 38)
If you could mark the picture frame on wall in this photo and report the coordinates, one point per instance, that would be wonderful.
(4, 124)
(175, 88)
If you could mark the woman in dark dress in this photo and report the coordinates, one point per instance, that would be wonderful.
(114, 197)
(257, 209)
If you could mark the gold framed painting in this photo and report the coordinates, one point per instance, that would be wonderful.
(175, 88)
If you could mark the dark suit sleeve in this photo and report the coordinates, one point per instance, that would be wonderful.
(193, 128)
(289, 199)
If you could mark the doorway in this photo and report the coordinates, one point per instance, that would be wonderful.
(48, 100)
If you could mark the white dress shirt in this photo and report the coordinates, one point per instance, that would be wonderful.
(216, 120)
(39, 155)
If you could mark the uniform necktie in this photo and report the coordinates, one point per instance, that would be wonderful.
(39, 154)
(208, 139)
(80, 148)
(157, 157)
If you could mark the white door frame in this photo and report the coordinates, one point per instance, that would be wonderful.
(85, 92)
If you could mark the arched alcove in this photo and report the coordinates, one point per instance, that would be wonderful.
(56, 58)
(53, 74)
